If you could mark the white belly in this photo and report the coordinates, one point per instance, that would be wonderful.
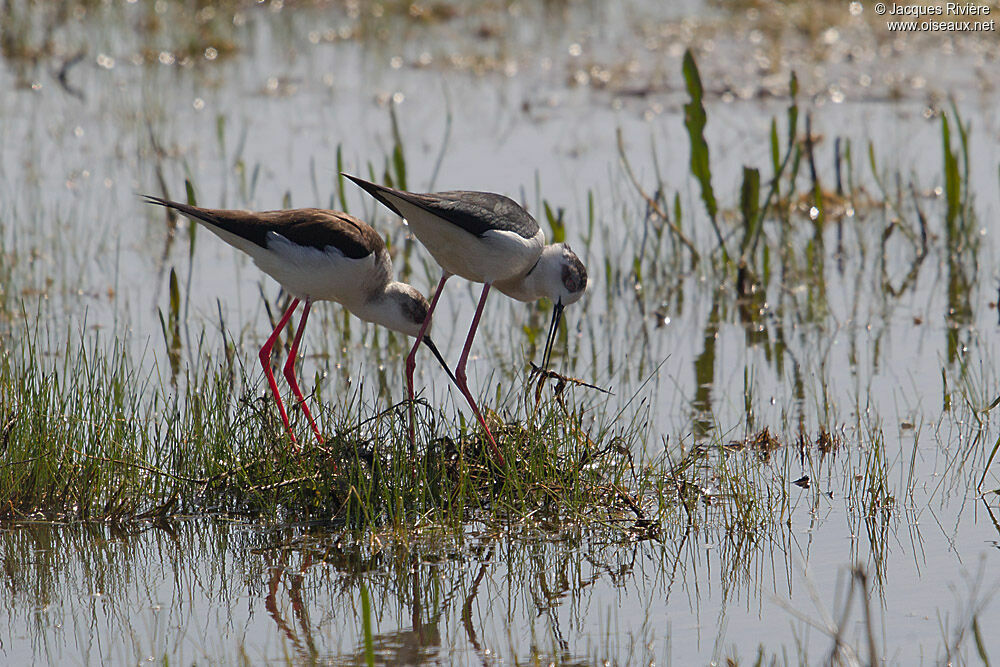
(320, 275)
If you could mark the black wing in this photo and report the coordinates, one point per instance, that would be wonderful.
(475, 212)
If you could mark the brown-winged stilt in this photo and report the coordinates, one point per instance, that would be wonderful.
(318, 255)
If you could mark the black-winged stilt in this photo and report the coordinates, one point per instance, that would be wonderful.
(490, 239)
(318, 255)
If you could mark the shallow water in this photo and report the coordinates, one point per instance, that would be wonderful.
(529, 105)
(209, 591)
(214, 590)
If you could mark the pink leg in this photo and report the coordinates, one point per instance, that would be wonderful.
(411, 358)
(461, 379)
(293, 354)
(265, 361)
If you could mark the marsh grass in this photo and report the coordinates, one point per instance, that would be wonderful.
(87, 436)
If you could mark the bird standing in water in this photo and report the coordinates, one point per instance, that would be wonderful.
(318, 255)
(486, 238)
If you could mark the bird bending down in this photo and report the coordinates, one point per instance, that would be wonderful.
(318, 255)
(490, 239)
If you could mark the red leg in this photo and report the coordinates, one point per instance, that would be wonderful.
(265, 361)
(460, 376)
(293, 354)
(411, 358)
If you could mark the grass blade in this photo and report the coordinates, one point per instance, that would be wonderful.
(398, 158)
(556, 222)
(695, 120)
(750, 205)
(340, 178)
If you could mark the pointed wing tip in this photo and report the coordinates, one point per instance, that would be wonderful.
(366, 185)
(379, 193)
(151, 199)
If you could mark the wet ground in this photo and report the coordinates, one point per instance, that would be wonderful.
(892, 355)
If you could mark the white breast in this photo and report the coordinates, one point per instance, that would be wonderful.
(321, 275)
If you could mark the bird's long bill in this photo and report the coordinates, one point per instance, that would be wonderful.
(427, 341)
(551, 338)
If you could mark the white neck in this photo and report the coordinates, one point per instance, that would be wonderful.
(529, 287)
(542, 280)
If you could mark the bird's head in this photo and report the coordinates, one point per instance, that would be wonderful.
(563, 279)
(567, 277)
(404, 309)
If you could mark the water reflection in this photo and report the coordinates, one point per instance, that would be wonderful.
(704, 371)
(211, 589)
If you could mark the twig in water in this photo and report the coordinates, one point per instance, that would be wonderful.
(652, 204)
(21, 462)
(283, 483)
(139, 466)
(546, 374)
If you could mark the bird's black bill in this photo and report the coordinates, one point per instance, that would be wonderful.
(427, 341)
(553, 331)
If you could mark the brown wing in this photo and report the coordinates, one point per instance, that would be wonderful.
(310, 227)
